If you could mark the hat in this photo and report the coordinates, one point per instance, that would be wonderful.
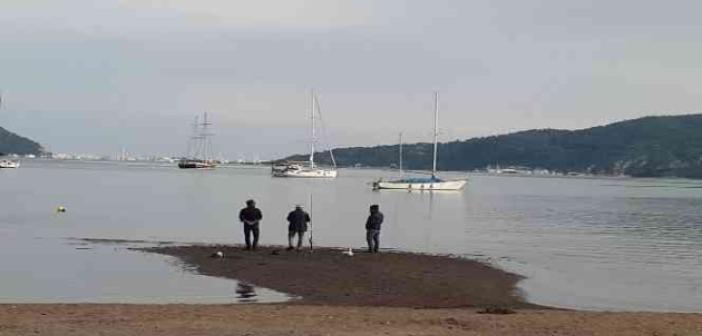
(299, 206)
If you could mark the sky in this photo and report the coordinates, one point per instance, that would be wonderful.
(85, 76)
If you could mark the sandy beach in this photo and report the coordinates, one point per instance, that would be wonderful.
(367, 294)
(273, 320)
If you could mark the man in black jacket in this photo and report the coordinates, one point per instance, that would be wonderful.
(250, 216)
(297, 225)
(375, 219)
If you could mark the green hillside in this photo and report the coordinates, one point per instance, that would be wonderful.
(11, 143)
(647, 147)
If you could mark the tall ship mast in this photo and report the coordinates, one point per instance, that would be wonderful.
(199, 154)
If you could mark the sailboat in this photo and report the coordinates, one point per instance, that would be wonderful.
(424, 183)
(311, 170)
(199, 154)
(9, 164)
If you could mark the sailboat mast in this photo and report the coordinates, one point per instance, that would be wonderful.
(436, 130)
(314, 135)
(401, 153)
(205, 149)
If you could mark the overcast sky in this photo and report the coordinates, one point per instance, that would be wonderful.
(93, 76)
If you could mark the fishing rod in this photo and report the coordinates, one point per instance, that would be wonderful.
(311, 235)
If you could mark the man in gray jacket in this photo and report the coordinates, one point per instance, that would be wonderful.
(297, 225)
(375, 219)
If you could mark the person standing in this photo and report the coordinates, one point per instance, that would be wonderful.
(251, 216)
(375, 219)
(297, 225)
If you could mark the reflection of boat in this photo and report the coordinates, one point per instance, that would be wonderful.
(425, 183)
(9, 164)
(199, 154)
(311, 170)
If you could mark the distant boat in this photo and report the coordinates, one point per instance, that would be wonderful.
(311, 170)
(199, 154)
(424, 183)
(9, 164)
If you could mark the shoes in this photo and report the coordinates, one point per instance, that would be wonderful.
(290, 248)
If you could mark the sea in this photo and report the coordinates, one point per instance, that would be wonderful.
(614, 244)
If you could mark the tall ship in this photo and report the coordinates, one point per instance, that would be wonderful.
(310, 169)
(199, 154)
(429, 183)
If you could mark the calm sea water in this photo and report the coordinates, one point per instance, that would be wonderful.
(614, 244)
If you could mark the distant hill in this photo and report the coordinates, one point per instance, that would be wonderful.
(11, 143)
(645, 147)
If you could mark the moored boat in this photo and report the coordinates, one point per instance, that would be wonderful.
(199, 154)
(430, 183)
(311, 170)
(9, 164)
(195, 164)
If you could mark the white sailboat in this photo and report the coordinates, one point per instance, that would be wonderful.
(311, 170)
(9, 164)
(424, 183)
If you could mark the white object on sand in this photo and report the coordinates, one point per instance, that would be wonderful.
(349, 252)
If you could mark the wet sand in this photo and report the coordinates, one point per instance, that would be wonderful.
(329, 277)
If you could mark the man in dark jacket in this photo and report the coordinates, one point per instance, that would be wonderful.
(297, 225)
(250, 216)
(375, 219)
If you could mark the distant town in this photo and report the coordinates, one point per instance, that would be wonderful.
(491, 169)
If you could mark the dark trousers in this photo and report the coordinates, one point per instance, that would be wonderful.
(291, 236)
(248, 230)
(373, 238)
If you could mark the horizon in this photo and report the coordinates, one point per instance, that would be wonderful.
(81, 77)
(255, 158)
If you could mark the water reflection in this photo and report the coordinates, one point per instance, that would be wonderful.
(246, 292)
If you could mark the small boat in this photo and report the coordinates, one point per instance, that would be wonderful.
(195, 164)
(424, 183)
(199, 154)
(311, 170)
(9, 164)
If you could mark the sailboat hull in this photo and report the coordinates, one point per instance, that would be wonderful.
(308, 173)
(9, 164)
(429, 186)
(189, 164)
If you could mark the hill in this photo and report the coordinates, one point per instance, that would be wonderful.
(645, 147)
(11, 143)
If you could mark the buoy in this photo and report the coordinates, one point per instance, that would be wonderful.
(61, 208)
(349, 252)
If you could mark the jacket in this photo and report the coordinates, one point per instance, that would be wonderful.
(250, 216)
(374, 221)
(298, 220)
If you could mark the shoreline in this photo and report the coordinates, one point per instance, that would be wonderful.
(463, 297)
